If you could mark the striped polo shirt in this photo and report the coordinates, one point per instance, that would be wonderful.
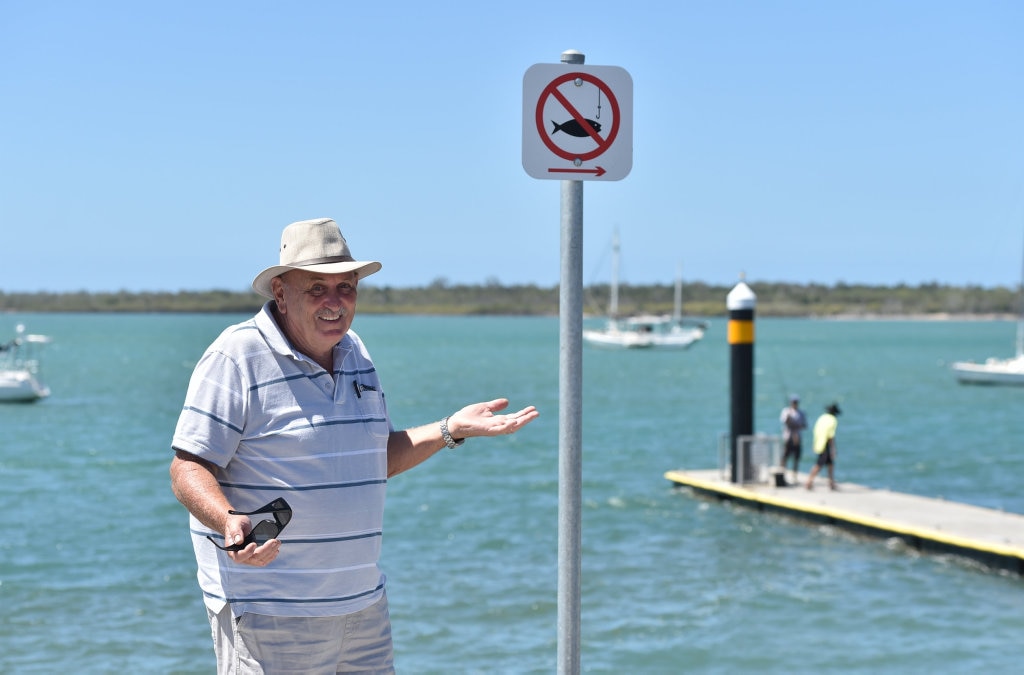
(278, 425)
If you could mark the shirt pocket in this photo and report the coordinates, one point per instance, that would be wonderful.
(370, 402)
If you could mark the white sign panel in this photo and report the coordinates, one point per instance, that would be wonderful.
(577, 122)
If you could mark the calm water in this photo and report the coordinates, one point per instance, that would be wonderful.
(97, 574)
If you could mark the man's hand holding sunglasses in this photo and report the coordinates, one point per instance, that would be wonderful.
(255, 544)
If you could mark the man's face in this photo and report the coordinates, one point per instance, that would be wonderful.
(316, 309)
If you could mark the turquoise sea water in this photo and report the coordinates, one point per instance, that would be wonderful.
(97, 574)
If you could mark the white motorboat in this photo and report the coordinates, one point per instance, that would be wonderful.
(646, 331)
(20, 368)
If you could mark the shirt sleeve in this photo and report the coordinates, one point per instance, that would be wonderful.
(213, 417)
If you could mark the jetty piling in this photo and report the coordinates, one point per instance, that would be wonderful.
(741, 303)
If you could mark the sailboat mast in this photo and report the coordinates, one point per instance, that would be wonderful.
(613, 305)
(677, 306)
(1020, 311)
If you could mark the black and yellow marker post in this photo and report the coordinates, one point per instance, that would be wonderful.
(741, 303)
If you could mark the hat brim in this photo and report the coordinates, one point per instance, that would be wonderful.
(261, 284)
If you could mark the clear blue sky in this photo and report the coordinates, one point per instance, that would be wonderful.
(164, 145)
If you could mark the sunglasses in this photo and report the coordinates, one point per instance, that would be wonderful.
(265, 530)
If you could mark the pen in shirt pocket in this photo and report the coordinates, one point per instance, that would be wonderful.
(360, 388)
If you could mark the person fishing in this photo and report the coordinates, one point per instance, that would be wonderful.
(793, 422)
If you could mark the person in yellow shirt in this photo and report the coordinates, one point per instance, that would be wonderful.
(825, 445)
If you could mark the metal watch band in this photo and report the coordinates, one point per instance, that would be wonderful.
(450, 442)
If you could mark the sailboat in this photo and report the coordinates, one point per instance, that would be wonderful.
(647, 331)
(994, 370)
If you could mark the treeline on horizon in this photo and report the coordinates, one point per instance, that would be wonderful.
(699, 299)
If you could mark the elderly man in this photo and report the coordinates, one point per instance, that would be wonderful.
(285, 426)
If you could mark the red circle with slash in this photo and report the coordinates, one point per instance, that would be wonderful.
(552, 90)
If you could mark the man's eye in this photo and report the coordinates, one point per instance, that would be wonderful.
(317, 291)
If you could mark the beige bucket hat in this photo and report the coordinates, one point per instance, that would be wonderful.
(318, 246)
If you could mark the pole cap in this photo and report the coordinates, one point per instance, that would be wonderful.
(741, 297)
(573, 56)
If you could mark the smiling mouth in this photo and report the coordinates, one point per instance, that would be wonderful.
(332, 317)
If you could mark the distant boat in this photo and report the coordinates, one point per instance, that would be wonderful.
(19, 368)
(994, 370)
(647, 331)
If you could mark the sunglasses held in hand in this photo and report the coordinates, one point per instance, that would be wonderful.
(265, 530)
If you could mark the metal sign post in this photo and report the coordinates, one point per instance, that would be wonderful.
(578, 145)
(570, 428)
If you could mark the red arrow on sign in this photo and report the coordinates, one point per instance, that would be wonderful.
(599, 171)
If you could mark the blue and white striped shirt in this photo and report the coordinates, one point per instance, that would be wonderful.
(278, 425)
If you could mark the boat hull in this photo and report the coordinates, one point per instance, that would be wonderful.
(992, 371)
(616, 338)
(20, 386)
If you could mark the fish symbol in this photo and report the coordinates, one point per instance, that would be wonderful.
(574, 128)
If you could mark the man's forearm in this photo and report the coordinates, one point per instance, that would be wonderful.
(194, 482)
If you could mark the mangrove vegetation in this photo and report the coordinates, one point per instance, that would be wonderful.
(441, 297)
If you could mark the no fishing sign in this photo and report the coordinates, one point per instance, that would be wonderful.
(577, 122)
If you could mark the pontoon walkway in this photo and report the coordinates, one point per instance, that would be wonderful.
(994, 538)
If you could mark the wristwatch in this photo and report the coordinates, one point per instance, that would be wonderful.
(446, 436)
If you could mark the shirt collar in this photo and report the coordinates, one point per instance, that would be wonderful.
(279, 344)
